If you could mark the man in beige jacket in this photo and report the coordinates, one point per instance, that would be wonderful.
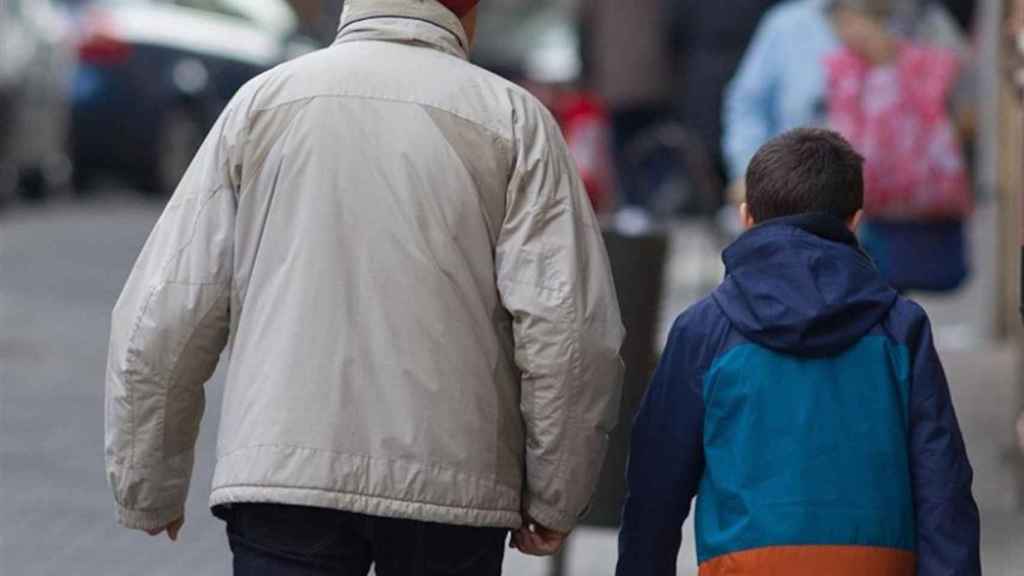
(398, 255)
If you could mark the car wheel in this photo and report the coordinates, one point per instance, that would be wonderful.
(181, 134)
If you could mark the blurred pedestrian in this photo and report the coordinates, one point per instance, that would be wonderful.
(964, 11)
(552, 73)
(780, 83)
(626, 64)
(803, 402)
(891, 98)
(423, 333)
(706, 42)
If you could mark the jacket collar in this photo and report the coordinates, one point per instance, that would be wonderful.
(818, 224)
(424, 22)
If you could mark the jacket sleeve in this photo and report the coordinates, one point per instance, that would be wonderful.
(554, 279)
(947, 517)
(748, 115)
(167, 332)
(666, 462)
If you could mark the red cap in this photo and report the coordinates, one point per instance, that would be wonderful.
(460, 7)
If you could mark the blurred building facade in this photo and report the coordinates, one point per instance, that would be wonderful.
(1010, 176)
(1009, 185)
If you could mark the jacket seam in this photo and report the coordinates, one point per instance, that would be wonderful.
(571, 319)
(574, 385)
(394, 99)
(492, 234)
(568, 319)
(173, 379)
(132, 356)
(257, 169)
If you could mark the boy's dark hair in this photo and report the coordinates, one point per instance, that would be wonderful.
(803, 171)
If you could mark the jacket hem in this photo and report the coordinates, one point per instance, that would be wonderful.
(369, 505)
(549, 517)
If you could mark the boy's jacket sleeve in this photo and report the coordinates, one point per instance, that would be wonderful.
(947, 520)
(666, 459)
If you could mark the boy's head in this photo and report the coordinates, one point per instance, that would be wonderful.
(804, 171)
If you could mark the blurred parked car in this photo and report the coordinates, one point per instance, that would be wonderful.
(154, 75)
(36, 60)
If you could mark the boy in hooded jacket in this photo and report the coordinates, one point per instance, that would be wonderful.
(803, 402)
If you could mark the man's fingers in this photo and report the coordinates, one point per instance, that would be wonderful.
(549, 547)
(537, 544)
(174, 528)
(537, 540)
(525, 542)
(550, 541)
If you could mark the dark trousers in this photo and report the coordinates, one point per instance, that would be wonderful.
(276, 540)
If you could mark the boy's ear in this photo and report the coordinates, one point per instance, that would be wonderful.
(746, 218)
(854, 222)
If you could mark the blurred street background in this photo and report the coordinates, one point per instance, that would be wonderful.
(103, 102)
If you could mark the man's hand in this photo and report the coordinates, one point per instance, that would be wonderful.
(172, 529)
(536, 540)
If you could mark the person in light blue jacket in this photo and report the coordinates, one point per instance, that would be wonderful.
(780, 84)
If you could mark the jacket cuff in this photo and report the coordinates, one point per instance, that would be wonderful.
(549, 517)
(149, 519)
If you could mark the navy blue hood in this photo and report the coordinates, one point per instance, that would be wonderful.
(802, 285)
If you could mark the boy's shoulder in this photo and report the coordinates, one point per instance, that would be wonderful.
(700, 332)
(701, 317)
(705, 326)
(907, 321)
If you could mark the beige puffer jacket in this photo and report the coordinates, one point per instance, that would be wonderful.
(399, 257)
